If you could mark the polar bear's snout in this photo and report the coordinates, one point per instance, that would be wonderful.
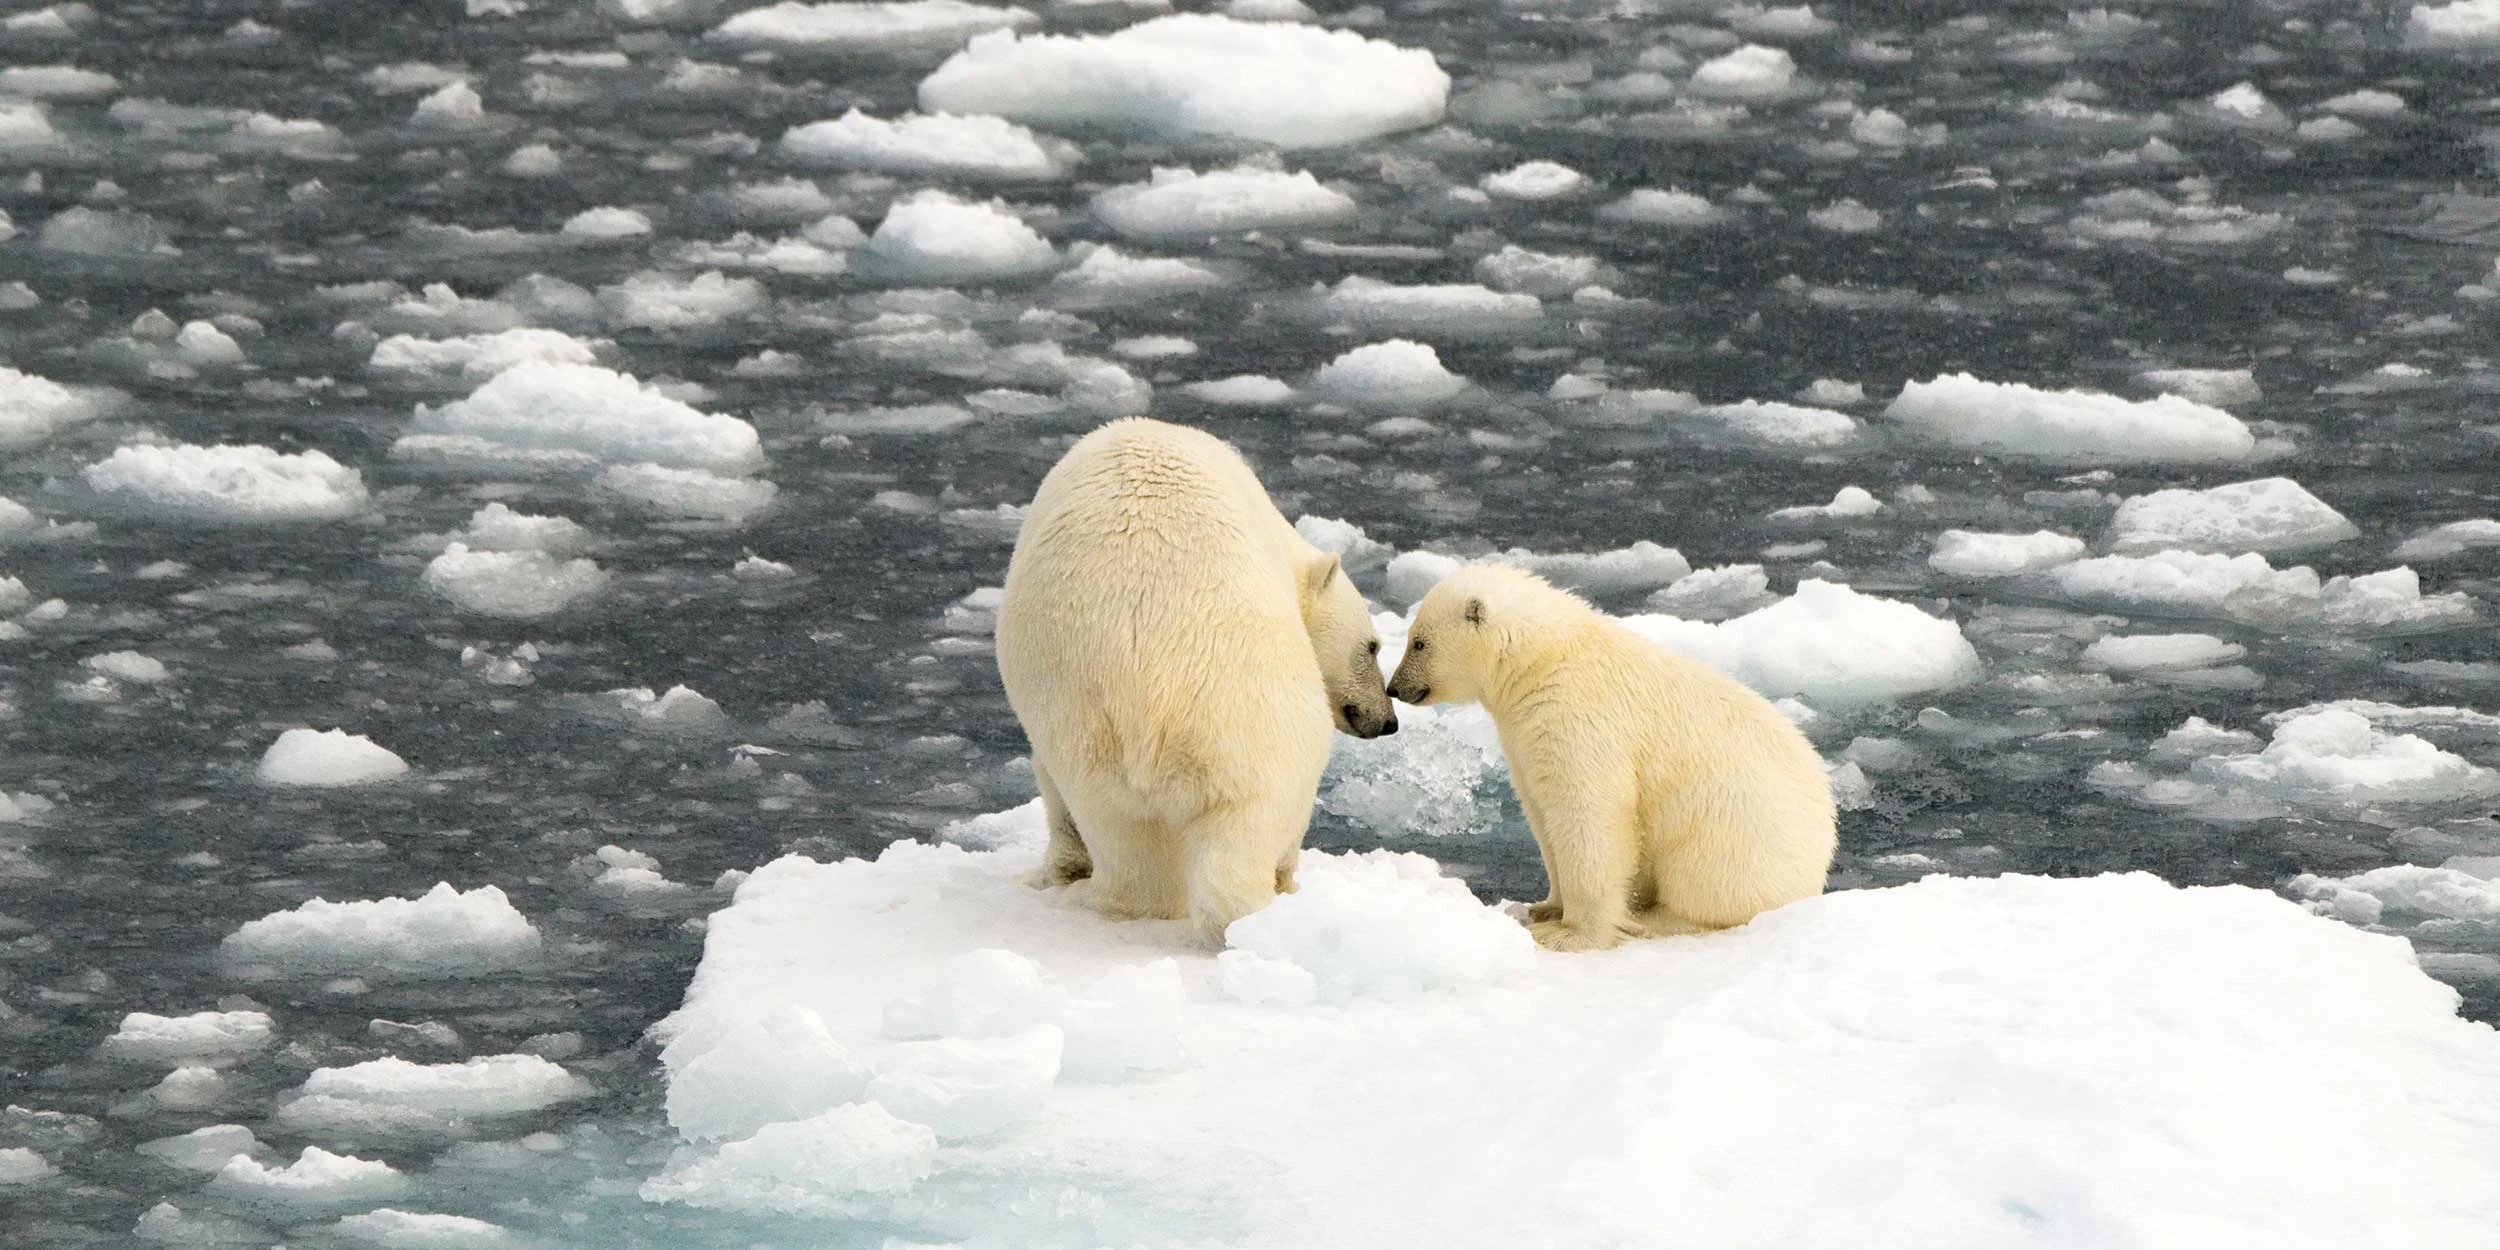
(1354, 720)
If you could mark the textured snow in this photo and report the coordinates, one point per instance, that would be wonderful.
(2454, 538)
(931, 236)
(444, 932)
(1399, 373)
(394, 1229)
(1106, 277)
(937, 145)
(32, 409)
(690, 492)
(1534, 180)
(2205, 386)
(247, 483)
(1223, 201)
(1966, 1028)
(316, 1179)
(2338, 756)
(575, 416)
(394, 1096)
(1454, 307)
(323, 758)
(904, 26)
(477, 357)
(2009, 418)
(517, 585)
(2188, 583)
(2270, 514)
(175, 1040)
(1779, 424)
(1196, 74)
(2464, 25)
(2135, 653)
(1965, 553)
(1828, 644)
(1752, 72)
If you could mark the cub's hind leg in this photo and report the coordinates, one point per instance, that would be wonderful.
(1066, 859)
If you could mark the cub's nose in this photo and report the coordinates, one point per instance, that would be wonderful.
(1388, 726)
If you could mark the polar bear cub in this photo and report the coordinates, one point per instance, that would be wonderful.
(1663, 794)
(1179, 657)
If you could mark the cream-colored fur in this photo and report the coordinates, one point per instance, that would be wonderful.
(1178, 656)
(1664, 795)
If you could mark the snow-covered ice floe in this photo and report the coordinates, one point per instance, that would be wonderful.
(923, 1042)
(1827, 643)
(1174, 202)
(1198, 74)
(941, 144)
(576, 417)
(445, 932)
(236, 483)
(891, 27)
(2009, 418)
(2270, 514)
(327, 759)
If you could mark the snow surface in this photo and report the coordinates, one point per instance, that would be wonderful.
(444, 932)
(1111, 1083)
(1196, 74)
(242, 484)
(2270, 514)
(2010, 418)
(327, 758)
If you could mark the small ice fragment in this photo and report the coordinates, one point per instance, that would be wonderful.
(327, 758)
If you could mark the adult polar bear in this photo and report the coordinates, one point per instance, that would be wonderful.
(1664, 795)
(1178, 656)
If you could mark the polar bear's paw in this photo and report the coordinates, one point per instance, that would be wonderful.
(1548, 910)
(1554, 935)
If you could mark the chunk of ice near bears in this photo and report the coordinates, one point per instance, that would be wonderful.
(578, 417)
(1241, 390)
(1176, 202)
(444, 932)
(692, 493)
(2009, 418)
(201, 1036)
(2338, 756)
(1515, 268)
(327, 758)
(932, 237)
(476, 357)
(1371, 305)
(2391, 601)
(1673, 1057)
(394, 1229)
(203, 1149)
(23, 1165)
(890, 27)
(1749, 73)
(2465, 25)
(496, 527)
(939, 145)
(1848, 502)
(1534, 180)
(1104, 276)
(1964, 553)
(1779, 424)
(2205, 386)
(513, 585)
(605, 224)
(2267, 515)
(1714, 593)
(2454, 538)
(316, 1180)
(2191, 583)
(1195, 74)
(1398, 373)
(681, 710)
(392, 1096)
(2461, 889)
(1650, 206)
(776, 1066)
(231, 483)
(663, 301)
(1827, 644)
(2140, 653)
(130, 666)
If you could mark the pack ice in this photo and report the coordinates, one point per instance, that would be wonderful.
(922, 1043)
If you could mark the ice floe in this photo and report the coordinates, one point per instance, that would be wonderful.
(327, 758)
(444, 932)
(2009, 418)
(228, 483)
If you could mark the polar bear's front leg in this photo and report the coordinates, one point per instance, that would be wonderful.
(1591, 847)
(1065, 860)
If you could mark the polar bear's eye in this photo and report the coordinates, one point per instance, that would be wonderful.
(1372, 647)
(1414, 644)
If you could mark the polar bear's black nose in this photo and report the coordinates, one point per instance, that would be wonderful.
(1389, 726)
(1353, 715)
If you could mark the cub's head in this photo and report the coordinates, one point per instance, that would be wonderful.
(1348, 649)
(1459, 632)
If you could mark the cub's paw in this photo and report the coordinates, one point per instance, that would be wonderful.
(1550, 909)
(1055, 873)
(1554, 935)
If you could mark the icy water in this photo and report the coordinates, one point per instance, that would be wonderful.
(2059, 201)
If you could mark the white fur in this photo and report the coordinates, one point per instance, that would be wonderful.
(1178, 656)
(1664, 795)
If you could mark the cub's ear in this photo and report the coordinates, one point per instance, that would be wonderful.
(1475, 611)
(1318, 573)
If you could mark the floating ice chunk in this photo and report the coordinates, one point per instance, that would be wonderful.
(325, 758)
(2447, 892)
(1399, 373)
(26, 128)
(246, 483)
(1846, 217)
(111, 233)
(2187, 583)
(902, 27)
(660, 302)
(202, 343)
(1642, 566)
(516, 585)
(316, 1179)
(1851, 501)
(203, 1149)
(1714, 593)
(394, 1229)
(846, 1162)
(780, 1066)
(394, 1094)
(2205, 386)
(2009, 418)
(2340, 757)
(2451, 539)
(986, 993)
(1535, 180)
(190, 1087)
(1797, 21)
(1967, 554)
(932, 145)
(170, 1225)
(455, 106)
(2196, 737)
(931, 236)
(496, 527)
(1880, 128)
(1242, 390)
(1104, 276)
(1153, 347)
(690, 492)
(1651, 207)
(206, 1035)
(33, 408)
(21, 1166)
(2267, 515)
(2365, 102)
(2244, 105)
(1384, 924)
(581, 413)
(477, 357)
(1373, 305)
(681, 710)
(1752, 72)
(443, 933)
(606, 223)
(1223, 201)
(1194, 74)
(1515, 268)
(2391, 601)
(970, 1088)
(56, 82)
(2461, 26)
(1777, 424)
(1828, 644)
(2138, 653)
(130, 666)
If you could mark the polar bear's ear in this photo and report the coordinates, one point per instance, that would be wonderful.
(1475, 611)
(1318, 573)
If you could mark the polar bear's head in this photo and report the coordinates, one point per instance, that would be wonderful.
(1464, 628)
(1347, 647)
